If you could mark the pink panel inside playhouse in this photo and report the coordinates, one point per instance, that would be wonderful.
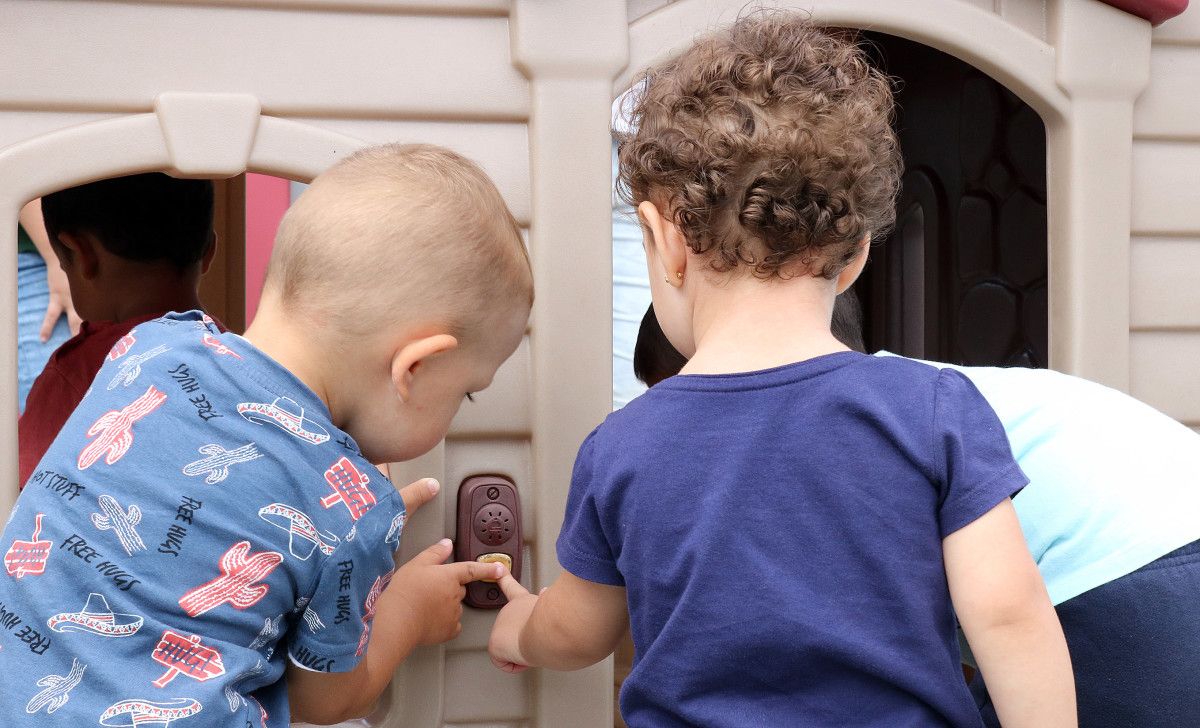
(267, 199)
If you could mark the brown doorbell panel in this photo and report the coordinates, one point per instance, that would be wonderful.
(489, 529)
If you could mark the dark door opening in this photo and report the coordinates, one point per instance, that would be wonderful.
(223, 288)
(962, 278)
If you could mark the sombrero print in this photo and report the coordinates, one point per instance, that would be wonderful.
(136, 712)
(286, 414)
(97, 618)
(303, 535)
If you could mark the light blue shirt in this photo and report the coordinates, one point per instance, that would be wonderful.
(1114, 483)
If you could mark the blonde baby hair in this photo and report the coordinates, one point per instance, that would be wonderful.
(397, 230)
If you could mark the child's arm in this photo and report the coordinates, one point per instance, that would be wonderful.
(572, 624)
(1010, 624)
(421, 606)
(60, 303)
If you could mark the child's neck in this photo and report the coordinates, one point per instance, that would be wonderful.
(149, 294)
(747, 324)
(273, 333)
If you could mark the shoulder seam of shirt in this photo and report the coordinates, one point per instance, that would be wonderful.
(53, 368)
(935, 474)
(325, 560)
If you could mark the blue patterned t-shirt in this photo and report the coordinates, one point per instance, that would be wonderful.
(198, 522)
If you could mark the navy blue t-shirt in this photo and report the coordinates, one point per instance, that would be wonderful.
(779, 534)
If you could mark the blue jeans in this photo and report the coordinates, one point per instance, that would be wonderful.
(33, 295)
(1135, 647)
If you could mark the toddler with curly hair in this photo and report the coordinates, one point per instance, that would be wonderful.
(790, 527)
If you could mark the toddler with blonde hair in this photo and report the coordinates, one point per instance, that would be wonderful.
(207, 538)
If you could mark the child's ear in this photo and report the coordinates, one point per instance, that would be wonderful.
(209, 253)
(412, 355)
(852, 271)
(78, 252)
(666, 240)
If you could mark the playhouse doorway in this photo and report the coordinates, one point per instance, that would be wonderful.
(962, 278)
(223, 288)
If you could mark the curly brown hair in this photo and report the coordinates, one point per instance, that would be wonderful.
(770, 142)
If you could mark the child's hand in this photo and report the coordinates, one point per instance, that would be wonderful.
(504, 644)
(431, 591)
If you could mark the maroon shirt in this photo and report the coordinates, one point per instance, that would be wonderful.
(61, 385)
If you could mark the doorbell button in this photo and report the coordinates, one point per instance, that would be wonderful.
(495, 559)
(488, 531)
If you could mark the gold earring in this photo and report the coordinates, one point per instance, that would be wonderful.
(668, 280)
(679, 274)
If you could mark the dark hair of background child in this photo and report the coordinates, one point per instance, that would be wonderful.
(654, 359)
(146, 218)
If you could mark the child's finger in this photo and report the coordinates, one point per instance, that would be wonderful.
(419, 493)
(469, 571)
(508, 665)
(53, 312)
(435, 554)
(511, 587)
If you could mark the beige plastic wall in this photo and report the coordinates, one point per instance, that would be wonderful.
(96, 89)
(1165, 270)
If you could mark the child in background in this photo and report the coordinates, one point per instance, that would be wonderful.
(133, 248)
(790, 527)
(1110, 516)
(206, 539)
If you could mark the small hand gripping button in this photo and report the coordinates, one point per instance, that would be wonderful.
(489, 531)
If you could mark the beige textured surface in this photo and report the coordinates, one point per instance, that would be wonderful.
(1170, 106)
(1166, 196)
(449, 7)
(1165, 259)
(1164, 372)
(571, 52)
(1028, 16)
(1183, 29)
(483, 693)
(1165, 283)
(635, 9)
(16, 126)
(1013, 56)
(501, 410)
(283, 59)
